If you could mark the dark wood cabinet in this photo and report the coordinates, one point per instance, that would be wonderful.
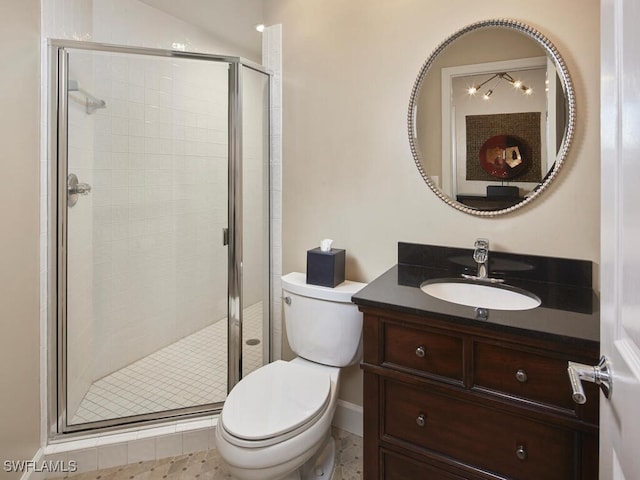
(448, 401)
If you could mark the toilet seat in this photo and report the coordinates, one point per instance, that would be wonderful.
(274, 403)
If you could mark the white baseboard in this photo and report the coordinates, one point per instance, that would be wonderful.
(348, 417)
(33, 473)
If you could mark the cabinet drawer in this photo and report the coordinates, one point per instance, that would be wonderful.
(506, 444)
(423, 351)
(527, 375)
(399, 467)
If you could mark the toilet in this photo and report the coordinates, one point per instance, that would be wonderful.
(276, 422)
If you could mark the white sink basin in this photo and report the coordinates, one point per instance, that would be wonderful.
(494, 296)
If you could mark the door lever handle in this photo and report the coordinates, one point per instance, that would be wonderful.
(599, 374)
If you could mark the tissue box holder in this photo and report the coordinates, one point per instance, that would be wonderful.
(325, 268)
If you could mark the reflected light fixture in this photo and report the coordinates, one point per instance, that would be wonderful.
(260, 27)
(517, 84)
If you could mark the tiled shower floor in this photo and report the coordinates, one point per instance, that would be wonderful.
(189, 372)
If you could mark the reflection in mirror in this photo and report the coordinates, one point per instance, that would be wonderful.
(491, 117)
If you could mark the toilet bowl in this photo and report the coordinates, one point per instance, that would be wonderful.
(279, 433)
(276, 422)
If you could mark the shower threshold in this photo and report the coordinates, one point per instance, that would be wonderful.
(189, 372)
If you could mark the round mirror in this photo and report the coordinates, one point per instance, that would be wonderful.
(491, 117)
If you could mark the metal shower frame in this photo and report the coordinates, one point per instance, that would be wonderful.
(57, 228)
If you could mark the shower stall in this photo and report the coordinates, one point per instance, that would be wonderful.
(159, 212)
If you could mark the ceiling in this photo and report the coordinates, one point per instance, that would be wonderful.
(229, 21)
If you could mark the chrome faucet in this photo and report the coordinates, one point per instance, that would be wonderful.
(481, 256)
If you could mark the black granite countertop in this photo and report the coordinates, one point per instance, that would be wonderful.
(569, 310)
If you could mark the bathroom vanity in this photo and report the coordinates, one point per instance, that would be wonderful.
(456, 392)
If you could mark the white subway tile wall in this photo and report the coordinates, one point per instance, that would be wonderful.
(272, 60)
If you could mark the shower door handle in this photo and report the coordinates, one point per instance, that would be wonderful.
(74, 188)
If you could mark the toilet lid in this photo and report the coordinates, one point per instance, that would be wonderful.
(274, 400)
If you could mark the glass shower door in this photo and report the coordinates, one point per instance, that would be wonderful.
(255, 220)
(146, 268)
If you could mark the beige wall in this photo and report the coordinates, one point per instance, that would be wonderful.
(19, 250)
(348, 174)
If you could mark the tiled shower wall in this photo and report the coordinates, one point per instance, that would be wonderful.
(272, 59)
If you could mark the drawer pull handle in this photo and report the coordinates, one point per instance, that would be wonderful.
(521, 376)
(521, 453)
(420, 352)
(420, 421)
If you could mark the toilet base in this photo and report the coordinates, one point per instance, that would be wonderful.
(318, 467)
(321, 465)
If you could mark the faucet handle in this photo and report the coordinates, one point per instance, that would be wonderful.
(482, 243)
(480, 255)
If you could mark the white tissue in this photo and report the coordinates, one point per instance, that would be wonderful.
(325, 245)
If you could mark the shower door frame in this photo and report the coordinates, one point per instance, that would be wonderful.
(57, 236)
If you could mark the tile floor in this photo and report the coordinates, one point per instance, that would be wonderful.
(207, 465)
(191, 371)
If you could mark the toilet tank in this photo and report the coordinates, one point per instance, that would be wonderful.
(322, 324)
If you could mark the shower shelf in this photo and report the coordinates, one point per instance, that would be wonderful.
(90, 102)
